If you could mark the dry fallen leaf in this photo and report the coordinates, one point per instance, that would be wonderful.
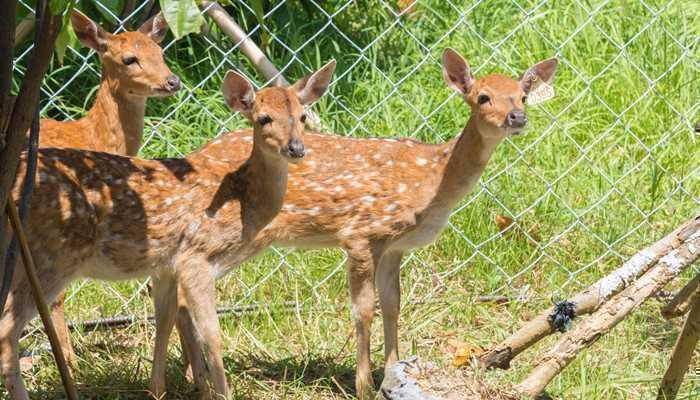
(464, 352)
(503, 222)
(406, 6)
(28, 362)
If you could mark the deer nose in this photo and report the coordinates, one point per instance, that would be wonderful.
(516, 119)
(172, 83)
(296, 148)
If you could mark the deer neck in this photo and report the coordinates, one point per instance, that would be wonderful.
(117, 119)
(469, 154)
(264, 177)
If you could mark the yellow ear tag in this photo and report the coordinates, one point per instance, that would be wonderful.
(543, 92)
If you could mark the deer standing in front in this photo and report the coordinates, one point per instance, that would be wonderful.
(104, 216)
(378, 198)
(133, 69)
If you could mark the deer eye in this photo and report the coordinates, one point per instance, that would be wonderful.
(524, 99)
(303, 118)
(129, 60)
(264, 120)
(483, 99)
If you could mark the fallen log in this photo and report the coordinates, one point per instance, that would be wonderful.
(612, 312)
(555, 318)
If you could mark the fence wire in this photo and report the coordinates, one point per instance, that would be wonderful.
(608, 165)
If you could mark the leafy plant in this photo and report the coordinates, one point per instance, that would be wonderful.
(183, 16)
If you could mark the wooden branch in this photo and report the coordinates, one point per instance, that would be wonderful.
(611, 313)
(40, 301)
(587, 301)
(23, 111)
(681, 302)
(247, 46)
(251, 50)
(682, 353)
(7, 37)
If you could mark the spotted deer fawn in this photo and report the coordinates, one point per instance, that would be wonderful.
(378, 198)
(133, 69)
(111, 217)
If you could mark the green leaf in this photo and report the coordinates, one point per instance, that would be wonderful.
(57, 7)
(260, 16)
(66, 36)
(183, 16)
(110, 8)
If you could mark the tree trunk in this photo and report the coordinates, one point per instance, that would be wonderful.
(25, 106)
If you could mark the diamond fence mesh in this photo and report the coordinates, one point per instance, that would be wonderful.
(605, 167)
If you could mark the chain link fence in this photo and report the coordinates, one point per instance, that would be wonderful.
(607, 166)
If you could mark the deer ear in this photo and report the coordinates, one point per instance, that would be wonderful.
(88, 32)
(541, 72)
(456, 71)
(155, 27)
(311, 87)
(239, 93)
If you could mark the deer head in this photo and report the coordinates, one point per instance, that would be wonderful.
(497, 101)
(277, 113)
(132, 62)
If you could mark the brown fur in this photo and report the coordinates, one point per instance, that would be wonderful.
(114, 124)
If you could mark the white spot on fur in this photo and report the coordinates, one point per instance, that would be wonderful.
(402, 188)
(391, 207)
(421, 161)
(368, 199)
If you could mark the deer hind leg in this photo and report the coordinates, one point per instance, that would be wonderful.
(198, 291)
(165, 301)
(59, 321)
(19, 310)
(193, 358)
(389, 289)
(361, 268)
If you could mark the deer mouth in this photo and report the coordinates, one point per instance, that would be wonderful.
(163, 92)
(293, 158)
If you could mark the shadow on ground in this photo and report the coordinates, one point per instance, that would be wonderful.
(250, 377)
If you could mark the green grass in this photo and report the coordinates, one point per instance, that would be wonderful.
(606, 167)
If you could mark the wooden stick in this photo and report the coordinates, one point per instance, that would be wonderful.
(681, 302)
(44, 312)
(589, 300)
(610, 314)
(682, 352)
(251, 50)
(247, 46)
